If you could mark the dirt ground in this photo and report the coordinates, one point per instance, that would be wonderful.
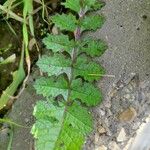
(126, 99)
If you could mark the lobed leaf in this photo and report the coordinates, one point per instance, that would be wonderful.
(85, 92)
(73, 5)
(59, 64)
(72, 124)
(64, 125)
(65, 22)
(48, 124)
(93, 47)
(55, 65)
(48, 87)
(98, 5)
(85, 68)
(89, 3)
(77, 124)
(58, 43)
(92, 22)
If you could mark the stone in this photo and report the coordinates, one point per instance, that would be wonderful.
(107, 103)
(122, 135)
(101, 130)
(136, 125)
(130, 141)
(128, 115)
(102, 147)
(102, 112)
(26, 120)
(96, 138)
(113, 146)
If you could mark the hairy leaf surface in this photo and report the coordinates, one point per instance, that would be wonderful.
(77, 124)
(86, 92)
(58, 43)
(73, 5)
(48, 87)
(65, 22)
(86, 69)
(92, 22)
(59, 64)
(86, 5)
(93, 47)
(62, 120)
(48, 124)
(68, 125)
(55, 65)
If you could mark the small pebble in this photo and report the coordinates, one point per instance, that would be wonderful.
(55, 30)
(128, 115)
(122, 135)
(26, 120)
(113, 146)
(101, 148)
(96, 138)
(101, 130)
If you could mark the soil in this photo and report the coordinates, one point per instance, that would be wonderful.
(126, 96)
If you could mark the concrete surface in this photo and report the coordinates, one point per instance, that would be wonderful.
(127, 33)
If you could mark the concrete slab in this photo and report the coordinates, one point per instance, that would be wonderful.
(127, 33)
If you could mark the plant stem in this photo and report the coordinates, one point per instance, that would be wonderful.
(77, 36)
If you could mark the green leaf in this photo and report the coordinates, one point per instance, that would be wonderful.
(63, 124)
(85, 92)
(85, 6)
(65, 22)
(85, 68)
(77, 124)
(55, 65)
(93, 47)
(89, 3)
(73, 5)
(98, 5)
(59, 64)
(72, 124)
(92, 5)
(92, 22)
(58, 43)
(49, 87)
(48, 125)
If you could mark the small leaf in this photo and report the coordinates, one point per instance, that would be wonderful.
(55, 65)
(89, 3)
(93, 47)
(49, 87)
(85, 68)
(92, 22)
(73, 5)
(65, 22)
(85, 6)
(58, 43)
(98, 5)
(86, 92)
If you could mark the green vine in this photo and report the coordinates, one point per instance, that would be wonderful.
(63, 120)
